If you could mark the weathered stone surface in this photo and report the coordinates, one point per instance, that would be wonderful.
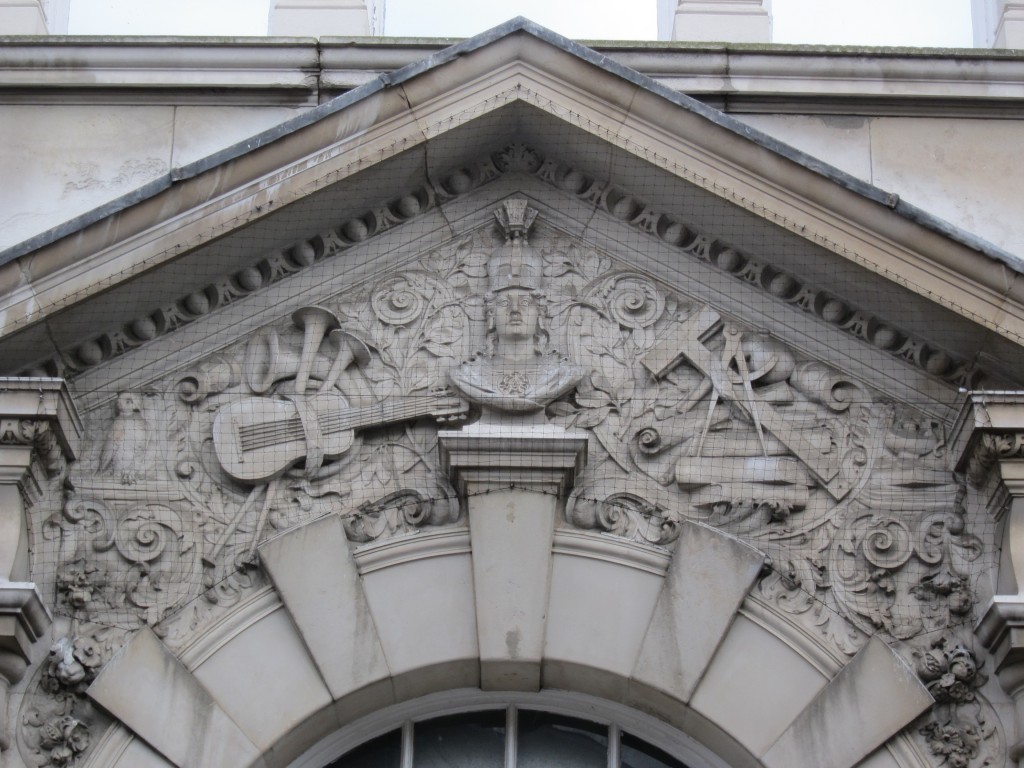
(710, 575)
(511, 534)
(184, 722)
(314, 572)
(93, 157)
(742, 344)
(872, 698)
(292, 681)
(755, 695)
(728, 21)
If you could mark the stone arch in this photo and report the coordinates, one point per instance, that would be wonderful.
(347, 633)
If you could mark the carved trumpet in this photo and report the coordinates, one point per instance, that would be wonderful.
(350, 348)
(267, 363)
(315, 323)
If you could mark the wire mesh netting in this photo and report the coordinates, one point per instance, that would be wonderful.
(530, 276)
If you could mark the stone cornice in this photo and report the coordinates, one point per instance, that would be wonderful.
(298, 71)
(20, 602)
(503, 455)
(667, 226)
(39, 412)
(989, 428)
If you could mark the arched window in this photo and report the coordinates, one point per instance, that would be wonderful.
(472, 729)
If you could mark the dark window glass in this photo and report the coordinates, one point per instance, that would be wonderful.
(383, 752)
(470, 740)
(639, 754)
(547, 740)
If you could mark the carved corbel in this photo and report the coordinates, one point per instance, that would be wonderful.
(988, 442)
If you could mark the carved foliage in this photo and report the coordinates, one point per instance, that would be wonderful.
(961, 730)
(56, 726)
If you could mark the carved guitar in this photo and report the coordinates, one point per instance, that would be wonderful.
(259, 438)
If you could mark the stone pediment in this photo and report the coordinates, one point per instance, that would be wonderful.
(315, 326)
(526, 338)
(410, 151)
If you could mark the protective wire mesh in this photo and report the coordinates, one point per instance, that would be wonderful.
(726, 363)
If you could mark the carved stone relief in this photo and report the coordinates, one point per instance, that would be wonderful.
(690, 414)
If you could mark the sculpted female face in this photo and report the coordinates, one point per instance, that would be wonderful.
(516, 315)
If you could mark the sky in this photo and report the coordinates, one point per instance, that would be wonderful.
(942, 23)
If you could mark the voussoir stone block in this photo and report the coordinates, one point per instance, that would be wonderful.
(511, 536)
(710, 575)
(420, 592)
(603, 594)
(870, 700)
(265, 680)
(314, 572)
(148, 689)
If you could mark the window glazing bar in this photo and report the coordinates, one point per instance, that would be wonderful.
(511, 736)
(407, 744)
(614, 744)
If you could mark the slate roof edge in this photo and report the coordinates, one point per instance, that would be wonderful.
(518, 24)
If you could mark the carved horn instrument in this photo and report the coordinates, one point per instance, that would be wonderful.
(315, 322)
(268, 362)
(350, 348)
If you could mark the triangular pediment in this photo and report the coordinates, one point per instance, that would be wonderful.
(617, 297)
(411, 152)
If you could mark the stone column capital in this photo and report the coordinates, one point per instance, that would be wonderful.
(23, 618)
(40, 432)
(987, 442)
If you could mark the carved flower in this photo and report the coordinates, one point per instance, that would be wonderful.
(633, 301)
(78, 738)
(64, 737)
(78, 581)
(61, 755)
(962, 666)
(398, 302)
(944, 739)
(956, 741)
(69, 673)
(948, 688)
(88, 652)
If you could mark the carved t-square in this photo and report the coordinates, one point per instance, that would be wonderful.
(688, 343)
